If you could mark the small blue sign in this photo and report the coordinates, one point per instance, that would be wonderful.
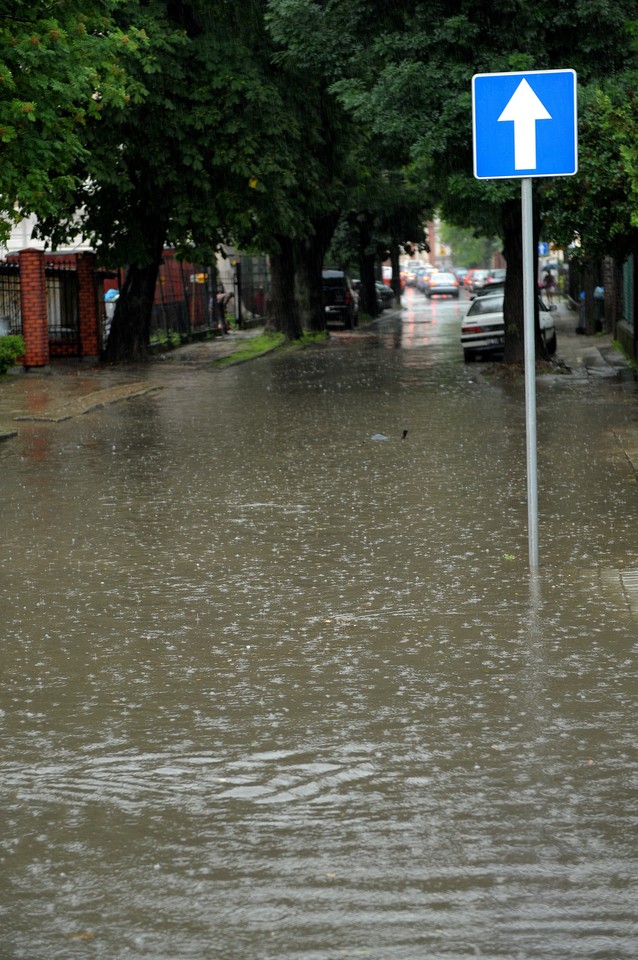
(543, 248)
(524, 124)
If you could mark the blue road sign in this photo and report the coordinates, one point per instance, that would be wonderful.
(524, 124)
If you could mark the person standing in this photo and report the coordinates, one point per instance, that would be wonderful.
(599, 307)
(548, 286)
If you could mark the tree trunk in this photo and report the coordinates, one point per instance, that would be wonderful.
(308, 260)
(368, 303)
(513, 311)
(129, 337)
(284, 312)
(396, 270)
(513, 302)
(309, 257)
(367, 257)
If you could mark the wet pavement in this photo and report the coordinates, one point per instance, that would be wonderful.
(273, 687)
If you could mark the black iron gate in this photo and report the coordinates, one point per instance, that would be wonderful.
(62, 309)
(10, 309)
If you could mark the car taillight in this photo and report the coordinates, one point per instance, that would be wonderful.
(347, 297)
(473, 330)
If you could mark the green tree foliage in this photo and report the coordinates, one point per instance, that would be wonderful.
(193, 157)
(594, 212)
(468, 249)
(61, 66)
(405, 70)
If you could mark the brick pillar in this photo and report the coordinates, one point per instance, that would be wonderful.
(33, 303)
(89, 315)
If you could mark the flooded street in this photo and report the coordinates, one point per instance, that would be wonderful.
(273, 689)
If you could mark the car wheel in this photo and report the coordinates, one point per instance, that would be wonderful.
(468, 355)
(550, 345)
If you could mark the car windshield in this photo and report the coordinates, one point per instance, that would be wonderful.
(486, 305)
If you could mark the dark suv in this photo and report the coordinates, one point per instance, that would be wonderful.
(339, 299)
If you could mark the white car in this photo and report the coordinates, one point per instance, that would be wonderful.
(483, 327)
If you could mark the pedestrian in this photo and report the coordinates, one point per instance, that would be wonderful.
(548, 286)
(223, 300)
(581, 327)
(599, 307)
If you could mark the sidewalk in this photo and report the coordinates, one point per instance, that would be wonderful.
(69, 388)
(593, 359)
(586, 356)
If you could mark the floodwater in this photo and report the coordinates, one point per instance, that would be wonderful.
(275, 690)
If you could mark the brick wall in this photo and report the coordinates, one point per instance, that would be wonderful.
(33, 304)
(88, 306)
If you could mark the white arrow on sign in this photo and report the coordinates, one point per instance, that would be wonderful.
(523, 110)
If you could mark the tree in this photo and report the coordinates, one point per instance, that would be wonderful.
(384, 210)
(61, 67)
(469, 248)
(595, 211)
(405, 71)
(188, 157)
(593, 215)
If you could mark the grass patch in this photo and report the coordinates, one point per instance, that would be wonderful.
(621, 349)
(310, 338)
(251, 348)
(168, 340)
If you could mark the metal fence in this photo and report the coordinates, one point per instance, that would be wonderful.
(10, 310)
(255, 285)
(248, 279)
(184, 299)
(62, 307)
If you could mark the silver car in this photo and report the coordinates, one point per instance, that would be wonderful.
(483, 327)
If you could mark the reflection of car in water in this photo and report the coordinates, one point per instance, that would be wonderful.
(340, 301)
(483, 327)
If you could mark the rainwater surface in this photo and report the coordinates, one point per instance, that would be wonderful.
(273, 689)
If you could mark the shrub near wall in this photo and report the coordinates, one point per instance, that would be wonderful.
(11, 349)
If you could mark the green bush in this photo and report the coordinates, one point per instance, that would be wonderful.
(11, 349)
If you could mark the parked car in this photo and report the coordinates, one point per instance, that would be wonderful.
(467, 279)
(475, 280)
(422, 279)
(424, 276)
(410, 269)
(442, 285)
(339, 298)
(385, 295)
(483, 327)
(496, 286)
(496, 276)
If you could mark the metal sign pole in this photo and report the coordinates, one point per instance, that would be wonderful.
(529, 294)
(525, 125)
